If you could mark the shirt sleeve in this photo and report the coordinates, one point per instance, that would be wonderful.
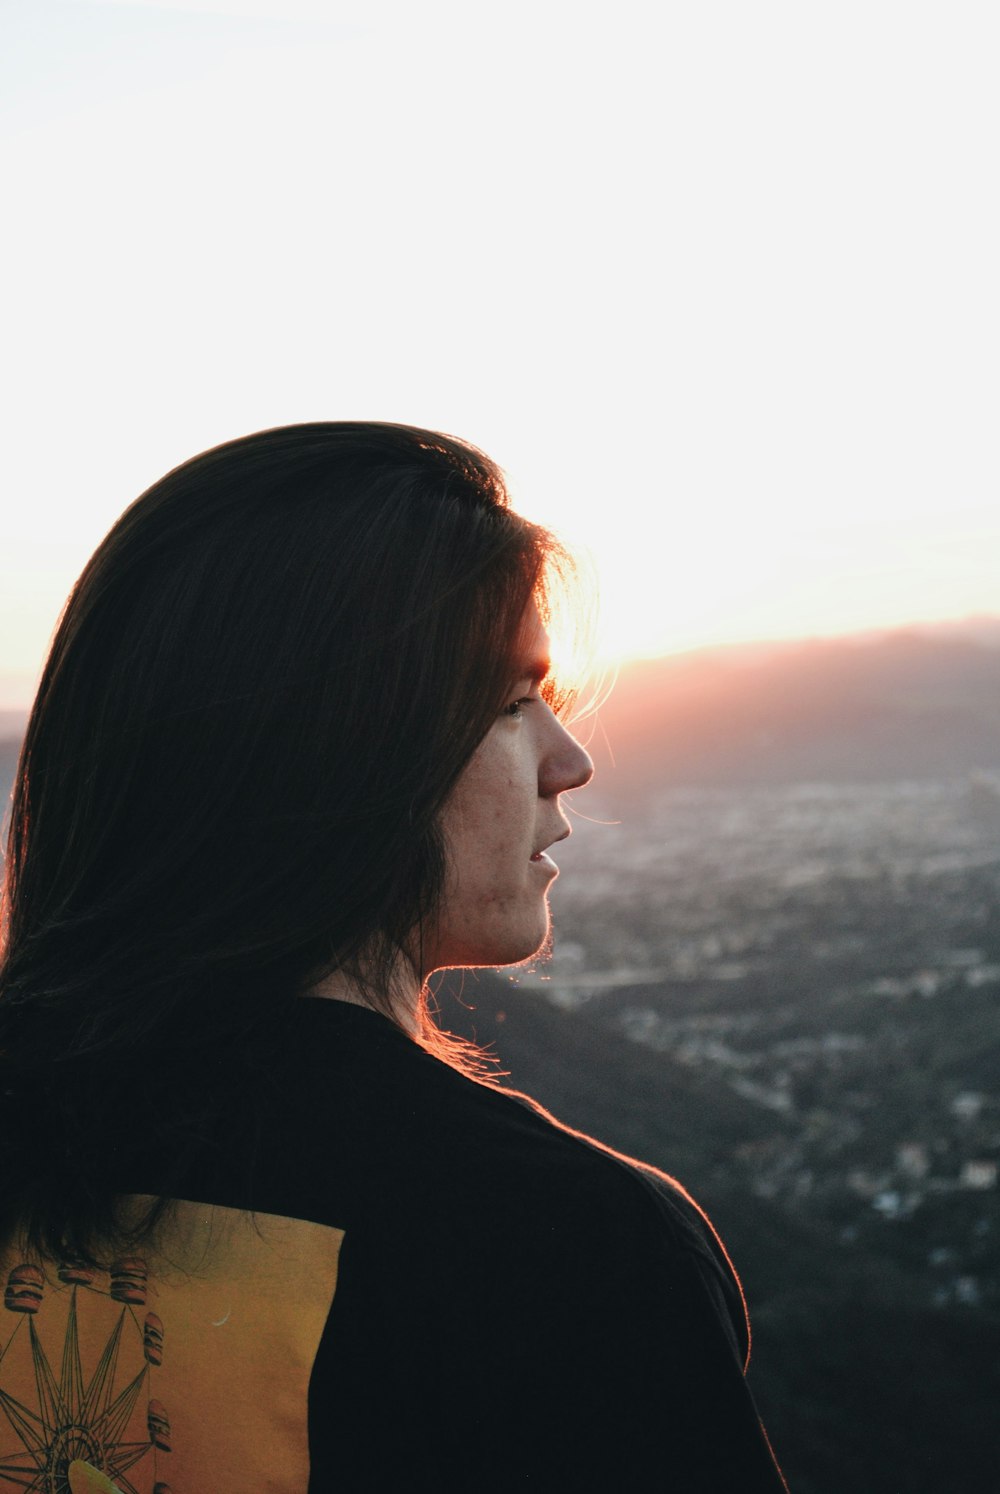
(592, 1347)
(671, 1356)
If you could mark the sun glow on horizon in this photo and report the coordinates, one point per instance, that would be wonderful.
(628, 636)
(683, 587)
(610, 657)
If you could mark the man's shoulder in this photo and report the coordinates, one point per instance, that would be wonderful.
(354, 1123)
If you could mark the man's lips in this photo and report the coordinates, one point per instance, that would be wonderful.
(537, 855)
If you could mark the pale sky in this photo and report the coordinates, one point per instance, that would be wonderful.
(715, 282)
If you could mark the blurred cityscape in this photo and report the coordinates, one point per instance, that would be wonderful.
(831, 954)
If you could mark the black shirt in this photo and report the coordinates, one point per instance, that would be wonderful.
(442, 1289)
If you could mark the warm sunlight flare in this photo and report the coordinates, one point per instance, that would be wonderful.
(673, 586)
(730, 332)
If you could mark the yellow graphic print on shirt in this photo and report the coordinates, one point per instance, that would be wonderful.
(182, 1371)
(84, 1478)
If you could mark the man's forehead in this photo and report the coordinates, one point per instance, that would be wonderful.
(533, 648)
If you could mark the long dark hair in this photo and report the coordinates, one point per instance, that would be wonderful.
(261, 691)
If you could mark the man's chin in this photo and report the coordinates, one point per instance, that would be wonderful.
(500, 956)
(535, 947)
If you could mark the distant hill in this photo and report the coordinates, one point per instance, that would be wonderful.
(10, 747)
(906, 704)
(978, 629)
(12, 724)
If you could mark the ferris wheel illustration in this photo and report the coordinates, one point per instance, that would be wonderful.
(100, 1417)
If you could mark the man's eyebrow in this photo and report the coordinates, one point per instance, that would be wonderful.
(534, 669)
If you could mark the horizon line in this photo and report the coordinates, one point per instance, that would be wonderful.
(21, 704)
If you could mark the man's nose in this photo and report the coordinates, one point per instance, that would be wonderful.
(566, 765)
